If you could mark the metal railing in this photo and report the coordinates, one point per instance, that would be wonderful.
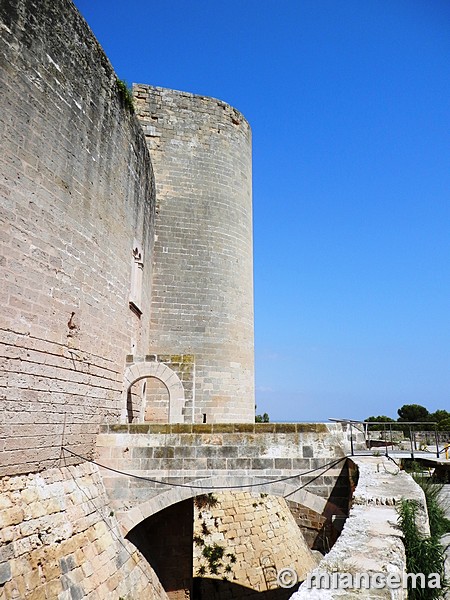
(412, 432)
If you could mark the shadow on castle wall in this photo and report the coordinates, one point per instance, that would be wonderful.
(217, 589)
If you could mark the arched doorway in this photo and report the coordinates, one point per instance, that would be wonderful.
(156, 401)
(152, 393)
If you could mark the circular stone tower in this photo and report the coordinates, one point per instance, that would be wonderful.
(202, 290)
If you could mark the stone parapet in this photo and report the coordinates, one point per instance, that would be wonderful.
(371, 541)
(322, 429)
(308, 458)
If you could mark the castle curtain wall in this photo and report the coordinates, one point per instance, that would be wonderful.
(76, 194)
(77, 217)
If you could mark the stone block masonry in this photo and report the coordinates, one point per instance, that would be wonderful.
(153, 403)
(60, 540)
(202, 301)
(371, 540)
(77, 195)
(225, 455)
(314, 526)
(259, 537)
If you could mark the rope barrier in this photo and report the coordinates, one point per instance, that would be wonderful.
(326, 466)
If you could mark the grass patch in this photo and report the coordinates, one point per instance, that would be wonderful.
(424, 554)
(439, 523)
(126, 94)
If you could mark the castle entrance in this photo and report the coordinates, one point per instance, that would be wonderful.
(152, 393)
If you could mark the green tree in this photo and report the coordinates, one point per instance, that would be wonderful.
(444, 425)
(439, 415)
(262, 418)
(382, 419)
(413, 412)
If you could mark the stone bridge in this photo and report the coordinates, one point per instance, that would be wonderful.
(168, 463)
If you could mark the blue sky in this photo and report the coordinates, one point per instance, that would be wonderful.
(349, 103)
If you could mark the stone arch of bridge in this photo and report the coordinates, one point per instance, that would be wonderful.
(287, 489)
(169, 378)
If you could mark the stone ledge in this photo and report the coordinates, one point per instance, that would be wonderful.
(257, 428)
(371, 541)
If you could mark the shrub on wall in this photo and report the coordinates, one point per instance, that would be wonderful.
(424, 554)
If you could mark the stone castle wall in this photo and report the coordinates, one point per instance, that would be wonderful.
(59, 539)
(260, 538)
(202, 301)
(77, 196)
(80, 283)
(309, 455)
(371, 540)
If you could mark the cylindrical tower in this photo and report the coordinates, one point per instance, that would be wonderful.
(202, 294)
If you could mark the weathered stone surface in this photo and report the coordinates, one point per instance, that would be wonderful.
(219, 456)
(202, 300)
(371, 541)
(73, 546)
(259, 536)
(5, 572)
(77, 191)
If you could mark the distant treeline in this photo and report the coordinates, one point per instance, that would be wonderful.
(417, 414)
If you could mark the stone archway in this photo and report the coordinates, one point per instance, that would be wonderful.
(130, 518)
(167, 376)
(257, 533)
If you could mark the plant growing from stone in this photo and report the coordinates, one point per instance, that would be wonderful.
(439, 523)
(201, 571)
(216, 560)
(205, 501)
(126, 94)
(205, 529)
(214, 556)
(423, 554)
